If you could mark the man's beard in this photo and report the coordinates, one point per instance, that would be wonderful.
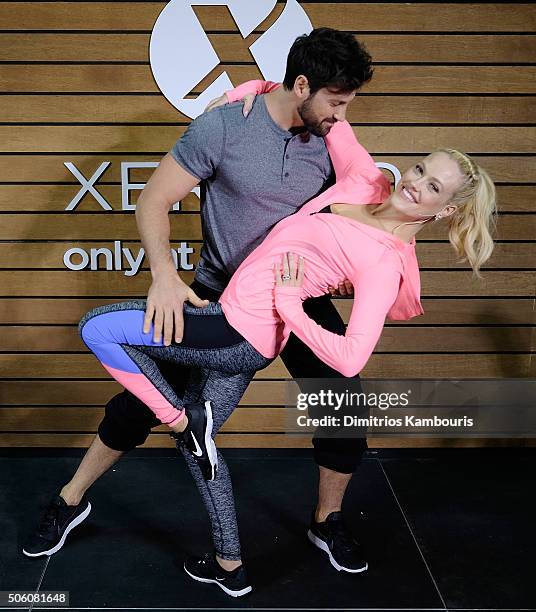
(310, 120)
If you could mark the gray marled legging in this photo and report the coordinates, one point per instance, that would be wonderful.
(223, 365)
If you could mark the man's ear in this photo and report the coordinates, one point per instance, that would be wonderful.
(301, 86)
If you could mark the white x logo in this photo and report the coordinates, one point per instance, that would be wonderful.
(87, 185)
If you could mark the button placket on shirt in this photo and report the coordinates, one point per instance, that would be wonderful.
(286, 156)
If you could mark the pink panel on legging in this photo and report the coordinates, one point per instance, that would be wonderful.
(140, 386)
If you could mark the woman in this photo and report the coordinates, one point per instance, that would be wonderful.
(329, 241)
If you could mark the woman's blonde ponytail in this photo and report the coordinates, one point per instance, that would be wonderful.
(472, 225)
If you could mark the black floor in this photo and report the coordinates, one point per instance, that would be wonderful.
(447, 529)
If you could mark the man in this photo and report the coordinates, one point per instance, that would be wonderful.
(261, 170)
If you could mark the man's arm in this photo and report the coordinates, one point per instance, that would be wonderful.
(168, 184)
(194, 157)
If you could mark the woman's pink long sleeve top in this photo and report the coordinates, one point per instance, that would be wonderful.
(382, 268)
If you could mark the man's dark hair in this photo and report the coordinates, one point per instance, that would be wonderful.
(328, 58)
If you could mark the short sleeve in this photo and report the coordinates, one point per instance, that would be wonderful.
(200, 148)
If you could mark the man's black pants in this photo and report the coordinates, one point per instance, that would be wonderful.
(127, 421)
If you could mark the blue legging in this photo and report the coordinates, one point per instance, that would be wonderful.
(222, 366)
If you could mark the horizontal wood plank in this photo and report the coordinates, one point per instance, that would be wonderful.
(392, 47)
(39, 108)
(502, 169)
(57, 196)
(454, 311)
(380, 365)
(505, 255)
(378, 139)
(394, 339)
(87, 419)
(463, 311)
(48, 198)
(118, 225)
(111, 283)
(71, 226)
(161, 440)
(83, 393)
(157, 440)
(49, 255)
(113, 78)
(433, 17)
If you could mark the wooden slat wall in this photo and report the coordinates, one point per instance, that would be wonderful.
(76, 86)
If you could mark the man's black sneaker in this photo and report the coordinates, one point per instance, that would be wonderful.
(197, 437)
(207, 569)
(57, 521)
(333, 537)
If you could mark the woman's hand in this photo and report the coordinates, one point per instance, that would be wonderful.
(219, 101)
(344, 289)
(290, 272)
(222, 100)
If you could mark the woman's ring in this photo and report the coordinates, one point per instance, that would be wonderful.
(285, 277)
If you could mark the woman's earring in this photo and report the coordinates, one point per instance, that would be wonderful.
(438, 216)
